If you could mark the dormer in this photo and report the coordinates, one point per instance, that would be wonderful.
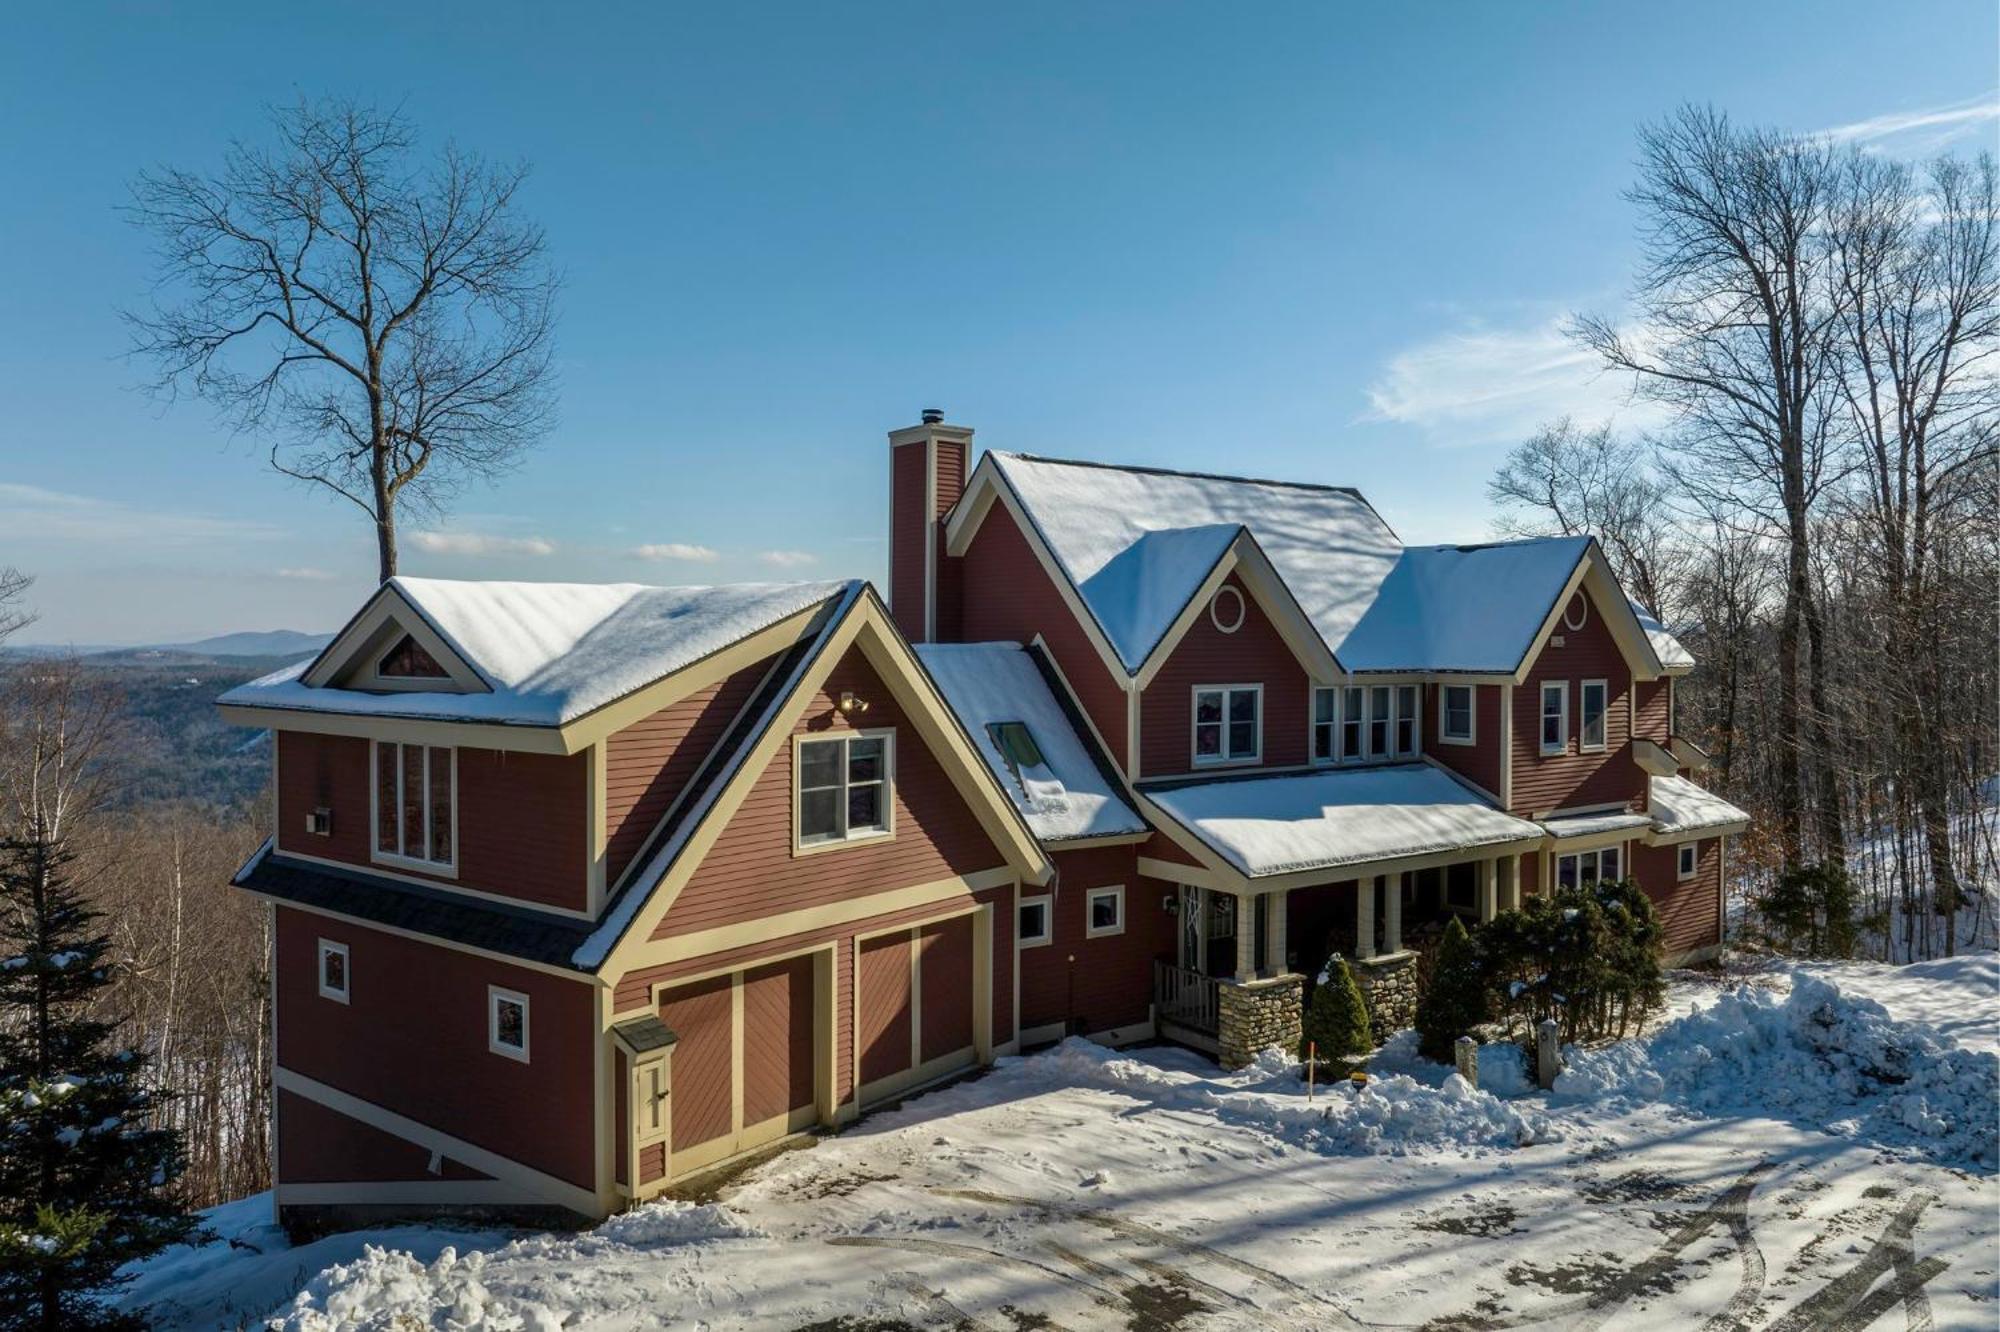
(390, 647)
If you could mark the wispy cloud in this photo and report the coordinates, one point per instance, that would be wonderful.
(309, 575)
(1482, 385)
(677, 550)
(1921, 131)
(37, 513)
(480, 543)
(788, 559)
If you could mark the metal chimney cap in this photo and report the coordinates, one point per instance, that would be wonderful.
(933, 415)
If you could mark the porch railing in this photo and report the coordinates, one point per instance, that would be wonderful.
(1185, 997)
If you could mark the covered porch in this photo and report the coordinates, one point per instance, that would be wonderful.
(1294, 869)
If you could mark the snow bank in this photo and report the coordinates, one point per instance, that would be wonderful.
(1390, 1116)
(1818, 1056)
(389, 1290)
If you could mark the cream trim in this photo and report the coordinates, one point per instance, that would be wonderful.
(470, 735)
(1674, 837)
(1655, 759)
(597, 824)
(1506, 746)
(1090, 896)
(844, 736)
(354, 649)
(393, 859)
(441, 885)
(1594, 575)
(867, 627)
(728, 938)
(545, 1186)
(1173, 871)
(545, 968)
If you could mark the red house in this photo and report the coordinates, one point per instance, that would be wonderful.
(579, 889)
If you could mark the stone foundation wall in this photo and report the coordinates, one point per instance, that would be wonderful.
(1389, 985)
(1255, 1015)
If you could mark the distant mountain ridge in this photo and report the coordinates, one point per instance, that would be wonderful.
(289, 644)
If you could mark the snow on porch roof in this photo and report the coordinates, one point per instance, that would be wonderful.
(552, 652)
(1327, 820)
(990, 683)
(1679, 806)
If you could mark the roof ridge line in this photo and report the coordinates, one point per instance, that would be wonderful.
(1320, 486)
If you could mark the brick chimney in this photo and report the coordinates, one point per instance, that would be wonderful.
(926, 477)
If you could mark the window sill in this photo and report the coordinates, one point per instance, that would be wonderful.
(508, 1052)
(338, 996)
(1464, 741)
(842, 843)
(1113, 932)
(1034, 943)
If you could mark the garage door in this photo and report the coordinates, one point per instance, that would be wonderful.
(915, 1006)
(731, 1093)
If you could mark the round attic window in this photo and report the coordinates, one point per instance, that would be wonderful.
(1225, 610)
(1576, 612)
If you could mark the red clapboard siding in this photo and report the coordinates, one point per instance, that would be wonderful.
(1690, 909)
(521, 817)
(701, 1015)
(1478, 762)
(412, 1038)
(1652, 696)
(751, 872)
(319, 1145)
(777, 1039)
(1254, 654)
(884, 1009)
(1009, 597)
(944, 970)
(1573, 779)
(1111, 982)
(648, 763)
(909, 531)
(950, 573)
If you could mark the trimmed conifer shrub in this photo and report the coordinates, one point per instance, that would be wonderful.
(1336, 1021)
(1454, 1002)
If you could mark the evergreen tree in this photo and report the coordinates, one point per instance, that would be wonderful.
(84, 1179)
(1455, 1000)
(1336, 1021)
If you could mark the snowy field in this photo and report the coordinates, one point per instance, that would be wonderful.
(1785, 1152)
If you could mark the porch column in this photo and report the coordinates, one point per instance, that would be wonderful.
(1392, 911)
(1489, 888)
(1510, 883)
(1364, 916)
(1274, 933)
(1246, 938)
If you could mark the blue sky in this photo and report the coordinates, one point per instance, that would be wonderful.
(1322, 242)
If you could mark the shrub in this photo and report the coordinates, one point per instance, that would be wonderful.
(1336, 1020)
(1587, 956)
(1453, 1001)
(1809, 910)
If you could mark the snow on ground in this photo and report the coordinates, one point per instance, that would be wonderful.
(1772, 1182)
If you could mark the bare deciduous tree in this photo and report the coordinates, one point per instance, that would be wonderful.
(386, 324)
(14, 616)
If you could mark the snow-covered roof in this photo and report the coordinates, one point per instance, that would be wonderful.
(552, 652)
(1679, 806)
(1584, 825)
(1137, 542)
(1338, 817)
(1665, 646)
(1068, 795)
(1462, 608)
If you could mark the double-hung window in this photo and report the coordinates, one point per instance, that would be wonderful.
(1228, 723)
(1555, 716)
(845, 787)
(1587, 867)
(1326, 725)
(1378, 721)
(1455, 714)
(415, 804)
(1592, 702)
(1352, 720)
(1406, 719)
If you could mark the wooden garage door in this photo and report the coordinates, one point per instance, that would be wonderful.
(703, 1077)
(944, 972)
(915, 1006)
(777, 1042)
(884, 1002)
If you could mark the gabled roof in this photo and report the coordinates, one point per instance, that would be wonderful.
(1462, 608)
(1075, 794)
(1137, 542)
(1679, 807)
(1335, 818)
(547, 653)
(1666, 647)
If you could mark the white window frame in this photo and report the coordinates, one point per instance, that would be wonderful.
(1332, 724)
(1596, 857)
(1215, 603)
(495, 996)
(848, 836)
(1542, 718)
(1091, 930)
(1583, 744)
(1048, 934)
(1471, 736)
(1358, 720)
(1687, 861)
(1385, 694)
(331, 948)
(1225, 758)
(447, 869)
(1415, 718)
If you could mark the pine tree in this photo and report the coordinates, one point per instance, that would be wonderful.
(1337, 1019)
(1455, 1000)
(84, 1179)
